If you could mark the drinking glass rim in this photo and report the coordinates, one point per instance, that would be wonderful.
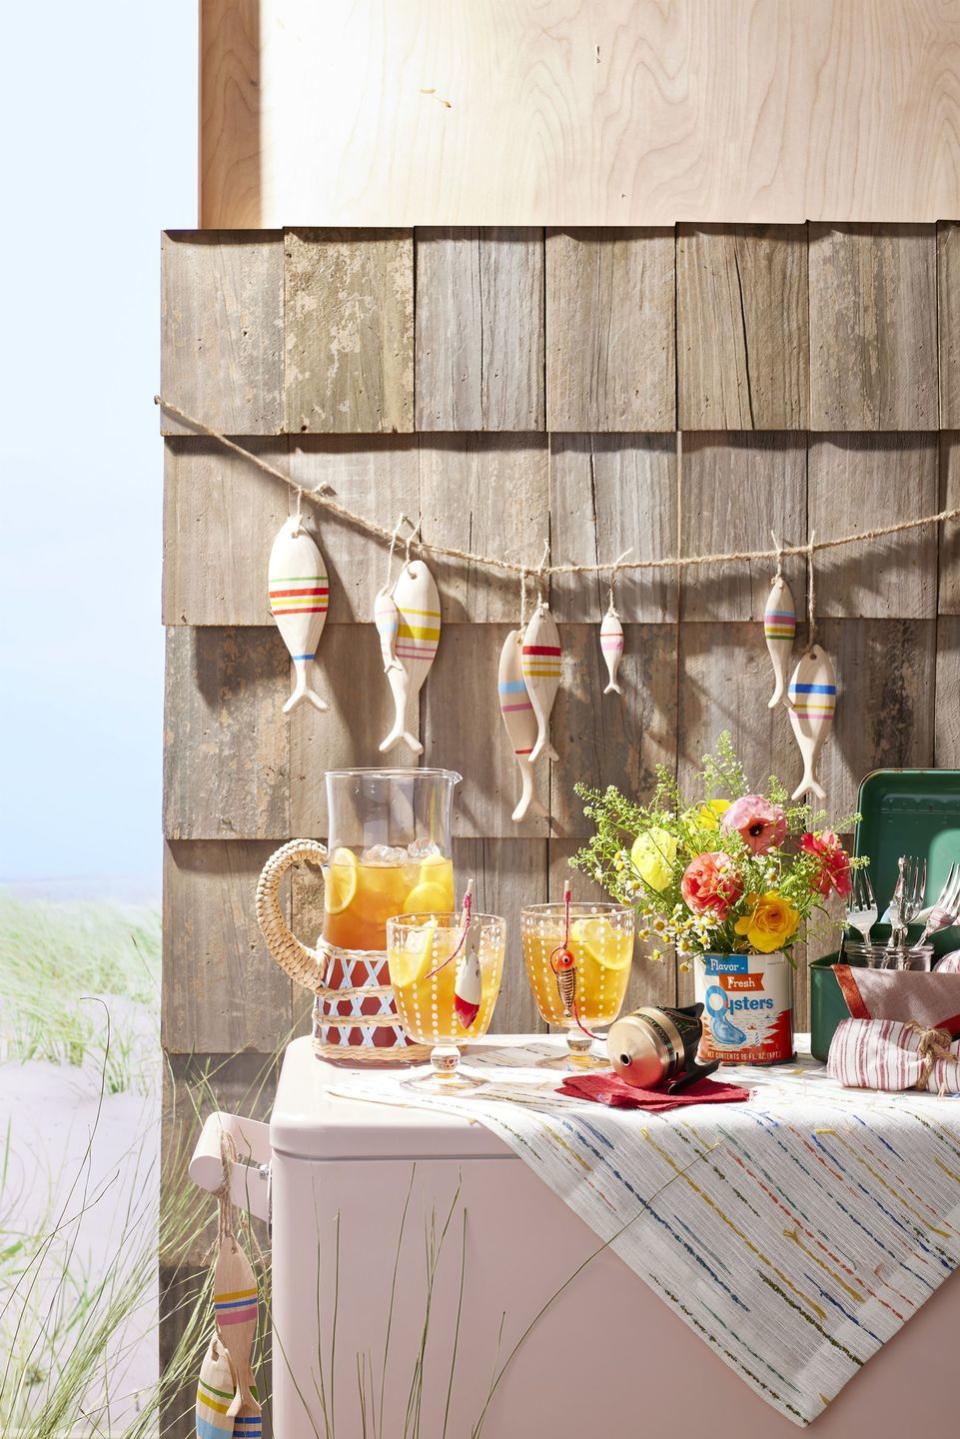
(446, 919)
(395, 772)
(585, 906)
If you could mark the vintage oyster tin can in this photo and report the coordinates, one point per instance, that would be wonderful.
(747, 1007)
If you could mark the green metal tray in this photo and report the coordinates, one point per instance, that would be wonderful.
(902, 811)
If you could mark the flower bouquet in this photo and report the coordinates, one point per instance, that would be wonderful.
(727, 877)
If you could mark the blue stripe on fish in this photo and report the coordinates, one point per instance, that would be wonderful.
(814, 689)
(512, 687)
(304, 657)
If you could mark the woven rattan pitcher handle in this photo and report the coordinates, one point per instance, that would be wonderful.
(301, 963)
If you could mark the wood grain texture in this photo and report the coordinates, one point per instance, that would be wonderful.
(612, 739)
(948, 600)
(221, 353)
(948, 322)
(946, 752)
(873, 327)
(348, 331)
(509, 873)
(479, 329)
(856, 482)
(230, 89)
(610, 330)
(216, 507)
(742, 341)
(226, 749)
(611, 493)
(221, 991)
(624, 113)
(736, 488)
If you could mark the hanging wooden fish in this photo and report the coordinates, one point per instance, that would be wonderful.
(386, 617)
(519, 720)
(418, 602)
(468, 985)
(299, 594)
(611, 644)
(779, 629)
(813, 697)
(215, 1390)
(541, 673)
(235, 1308)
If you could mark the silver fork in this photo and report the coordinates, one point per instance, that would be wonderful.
(907, 898)
(861, 905)
(946, 911)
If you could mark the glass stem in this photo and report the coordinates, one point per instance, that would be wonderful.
(445, 1059)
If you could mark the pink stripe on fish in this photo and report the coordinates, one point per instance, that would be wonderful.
(237, 1316)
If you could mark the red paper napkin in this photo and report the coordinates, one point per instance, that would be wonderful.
(611, 1089)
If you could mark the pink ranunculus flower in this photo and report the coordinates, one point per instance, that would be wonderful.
(761, 823)
(711, 884)
(834, 872)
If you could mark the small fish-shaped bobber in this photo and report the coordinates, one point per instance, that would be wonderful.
(299, 595)
(779, 629)
(235, 1309)
(468, 985)
(611, 644)
(519, 720)
(563, 962)
(215, 1391)
(386, 617)
(813, 699)
(418, 601)
(541, 673)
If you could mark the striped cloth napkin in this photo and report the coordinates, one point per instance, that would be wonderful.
(892, 1054)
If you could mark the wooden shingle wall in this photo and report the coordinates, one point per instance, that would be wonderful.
(506, 385)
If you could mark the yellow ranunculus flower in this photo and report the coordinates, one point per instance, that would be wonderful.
(771, 922)
(712, 812)
(653, 855)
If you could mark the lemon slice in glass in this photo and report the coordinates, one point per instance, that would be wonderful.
(427, 897)
(341, 881)
(607, 946)
(413, 961)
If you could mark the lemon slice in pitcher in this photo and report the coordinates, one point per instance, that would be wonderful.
(341, 881)
(609, 947)
(427, 897)
(413, 961)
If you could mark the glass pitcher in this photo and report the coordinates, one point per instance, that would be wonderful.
(389, 853)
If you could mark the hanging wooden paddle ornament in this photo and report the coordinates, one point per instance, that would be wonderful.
(611, 634)
(519, 721)
(215, 1390)
(418, 633)
(813, 697)
(235, 1304)
(299, 594)
(779, 629)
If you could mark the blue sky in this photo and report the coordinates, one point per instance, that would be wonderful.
(103, 98)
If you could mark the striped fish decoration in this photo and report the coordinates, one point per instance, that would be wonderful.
(235, 1309)
(541, 673)
(611, 645)
(215, 1391)
(386, 617)
(418, 602)
(779, 629)
(813, 700)
(299, 595)
(519, 720)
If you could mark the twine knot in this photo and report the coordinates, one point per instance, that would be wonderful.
(932, 1046)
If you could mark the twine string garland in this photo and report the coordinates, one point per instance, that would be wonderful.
(498, 562)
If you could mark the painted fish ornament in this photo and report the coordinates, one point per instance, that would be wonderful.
(611, 644)
(779, 629)
(468, 986)
(215, 1390)
(235, 1309)
(299, 595)
(813, 698)
(386, 617)
(541, 673)
(418, 603)
(519, 720)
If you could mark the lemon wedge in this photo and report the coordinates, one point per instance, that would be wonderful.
(412, 962)
(427, 897)
(605, 945)
(341, 881)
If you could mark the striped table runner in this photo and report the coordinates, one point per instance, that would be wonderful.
(794, 1233)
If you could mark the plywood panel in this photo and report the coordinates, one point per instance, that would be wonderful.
(348, 331)
(221, 991)
(217, 506)
(610, 330)
(611, 493)
(873, 327)
(479, 324)
(221, 354)
(948, 303)
(230, 87)
(857, 482)
(612, 739)
(736, 489)
(226, 750)
(508, 874)
(742, 343)
(624, 113)
(949, 537)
